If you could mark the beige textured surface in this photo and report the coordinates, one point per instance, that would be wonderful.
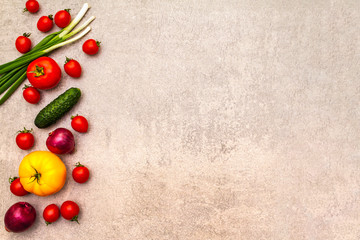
(209, 120)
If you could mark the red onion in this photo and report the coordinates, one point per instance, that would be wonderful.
(60, 141)
(19, 217)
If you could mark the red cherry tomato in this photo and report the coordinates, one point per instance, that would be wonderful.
(62, 18)
(79, 124)
(51, 213)
(16, 188)
(72, 68)
(91, 46)
(25, 139)
(31, 6)
(23, 43)
(70, 211)
(44, 73)
(80, 173)
(45, 23)
(31, 94)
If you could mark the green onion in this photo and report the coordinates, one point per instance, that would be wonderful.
(13, 73)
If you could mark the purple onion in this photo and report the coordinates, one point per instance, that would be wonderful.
(19, 217)
(60, 141)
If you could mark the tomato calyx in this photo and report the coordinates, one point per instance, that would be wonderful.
(36, 176)
(78, 164)
(47, 223)
(11, 179)
(25, 10)
(67, 10)
(25, 130)
(51, 17)
(98, 43)
(72, 117)
(39, 71)
(67, 60)
(26, 34)
(75, 219)
(26, 86)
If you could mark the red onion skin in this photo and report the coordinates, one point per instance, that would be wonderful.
(60, 141)
(19, 217)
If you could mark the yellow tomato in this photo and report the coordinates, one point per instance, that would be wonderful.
(42, 173)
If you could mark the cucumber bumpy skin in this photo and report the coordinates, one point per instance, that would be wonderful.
(57, 108)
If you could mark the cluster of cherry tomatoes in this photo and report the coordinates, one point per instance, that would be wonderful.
(50, 78)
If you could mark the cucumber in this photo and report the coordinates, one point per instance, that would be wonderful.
(57, 108)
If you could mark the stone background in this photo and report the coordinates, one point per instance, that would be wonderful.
(208, 120)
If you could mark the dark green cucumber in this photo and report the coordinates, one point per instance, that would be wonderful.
(57, 108)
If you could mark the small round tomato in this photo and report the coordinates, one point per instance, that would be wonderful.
(80, 173)
(70, 211)
(25, 139)
(51, 213)
(43, 73)
(79, 124)
(72, 68)
(45, 23)
(31, 6)
(62, 18)
(23, 43)
(16, 188)
(31, 94)
(91, 46)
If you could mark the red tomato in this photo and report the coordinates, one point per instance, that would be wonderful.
(31, 94)
(80, 173)
(43, 73)
(31, 6)
(79, 124)
(23, 43)
(25, 139)
(51, 213)
(91, 46)
(70, 210)
(45, 23)
(16, 188)
(72, 68)
(62, 18)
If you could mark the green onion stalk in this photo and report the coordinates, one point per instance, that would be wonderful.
(12, 74)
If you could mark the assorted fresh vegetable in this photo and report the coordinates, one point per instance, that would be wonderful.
(19, 217)
(57, 108)
(42, 173)
(60, 141)
(16, 187)
(31, 94)
(91, 46)
(72, 68)
(31, 6)
(79, 123)
(70, 211)
(51, 213)
(62, 18)
(13, 73)
(80, 173)
(25, 139)
(23, 43)
(43, 73)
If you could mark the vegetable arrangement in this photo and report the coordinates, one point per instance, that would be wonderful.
(13, 73)
(42, 172)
